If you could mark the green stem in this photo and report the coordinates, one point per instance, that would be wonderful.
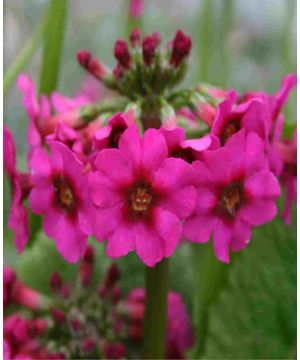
(210, 277)
(24, 56)
(156, 310)
(53, 40)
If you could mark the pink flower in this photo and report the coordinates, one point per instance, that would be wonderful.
(60, 194)
(141, 196)
(20, 187)
(188, 150)
(253, 115)
(236, 190)
(114, 350)
(136, 8)
(287, 149)
(179, 331)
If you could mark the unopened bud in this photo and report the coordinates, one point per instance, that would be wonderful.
(91, 64)
(135, 37)
(181, 48)
(122, 54)
(150, 44)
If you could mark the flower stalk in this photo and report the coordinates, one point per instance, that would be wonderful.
(155, 313)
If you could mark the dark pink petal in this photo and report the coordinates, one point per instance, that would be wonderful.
(206, 200)
(101, 136)
(122, 241)
(70, 241)
(40, 167)
(30, 102)
(200, 144)
(199, 228)
(258, 212)
(173, 174)
(241, 235)
(262, 185)
(106, 221)
(18, 219)
(255, 158)
(51, 219)
(86, 217)
(181, 202)
(258, 118)
(169, 228)
(9, 152)
(291, 197)
(155, 149)
(70, 163)
(173, 137)
(102, 191)
(149, 245)
(221, 242)
(112, 164)
(41, 199)
(281, 97)
(130, 145)
(219, 163)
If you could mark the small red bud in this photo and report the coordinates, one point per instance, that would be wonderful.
(55, 282)
(58, 316)
(181, 48)
(89, 255)
(88, 345)
(135, 37)
(114, 350)
(76, 325)
(150, 44)
(122, 54)
(116, 295)
(91, 64)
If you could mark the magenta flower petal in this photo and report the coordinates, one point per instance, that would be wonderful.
(155, 149)
(51, 219)
(106, 221)
(107, 197)
(169, 229)
(206, 200)
(114, 165)
(262, 185)
(241, 236)
(199, 229)
(40, 199)
(181, 202)
(149, 245)
(40, 167)
(9, 152)
(173, 174)
(121, 242)
(70, 241)
(221, 242)
(130, 145)
(258, 212)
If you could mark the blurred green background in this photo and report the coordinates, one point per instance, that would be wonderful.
(247, 309)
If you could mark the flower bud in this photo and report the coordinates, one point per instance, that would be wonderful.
(114, 350)
(55, 282)
(89, 255)
(150, 44)
(58, 316)
(122, 54)
(181, 48)
(91, 64)
(88, 345)
(135, 37)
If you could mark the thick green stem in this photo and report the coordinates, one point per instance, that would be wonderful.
(53, 40)
(156, 310)
(24, 56)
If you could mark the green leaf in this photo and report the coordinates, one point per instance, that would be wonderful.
(255, 317)
(53, 40)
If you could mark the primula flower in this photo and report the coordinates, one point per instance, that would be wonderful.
(236, 190)
(253, 115)
(179, 332)
(140, 197)
(59, 193)
(20, 186)
(188, 150)
(287, 149)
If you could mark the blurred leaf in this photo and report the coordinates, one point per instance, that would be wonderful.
(255, 317)
(53, 40)
(36, 264)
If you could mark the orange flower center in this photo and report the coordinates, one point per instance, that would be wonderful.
(141, 198)
(64, 194)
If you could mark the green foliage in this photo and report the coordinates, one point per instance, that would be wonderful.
(53, 41)
(255, 316)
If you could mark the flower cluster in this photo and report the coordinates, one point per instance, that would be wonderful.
(208, 163)
(80, 322)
